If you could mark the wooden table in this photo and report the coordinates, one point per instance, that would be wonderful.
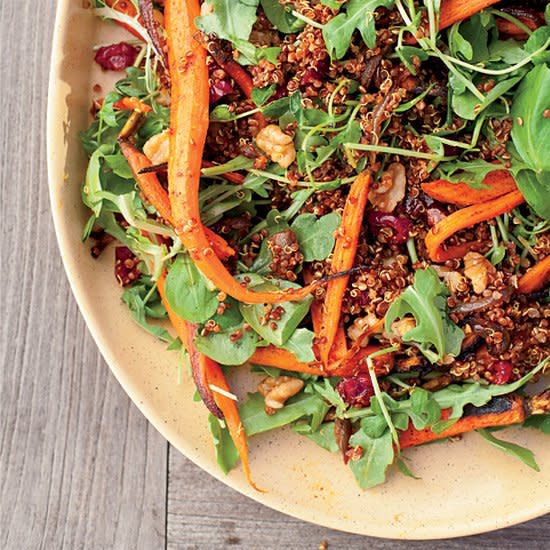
(80, 466)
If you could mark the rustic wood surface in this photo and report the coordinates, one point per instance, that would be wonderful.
(79, 466)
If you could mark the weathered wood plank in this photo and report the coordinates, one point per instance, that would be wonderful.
(203, 513)
(79, 465)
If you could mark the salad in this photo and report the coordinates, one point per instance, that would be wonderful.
(351, 199)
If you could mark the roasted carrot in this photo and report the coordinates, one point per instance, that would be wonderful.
(233, 177)
(453, 11)
(340, 346)
(495, 185)
(230, 411)
(132, 104)
(189, 125)
(342, 260)
(199, 362)
(514, 414)
(536, 278)
(466, 217)
(272, 356)
(155, 194)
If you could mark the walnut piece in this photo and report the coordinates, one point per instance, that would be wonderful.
(157, 148)
(478, 268)
(390, 189)
(277, 390)
(400, 327)
(455, 281)
(278, 145)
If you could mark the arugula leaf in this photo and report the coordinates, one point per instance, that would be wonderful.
(326, 389)
(134, 297)
(280, 17)
(261, 95)
(359, 14)
(535, 42)
(531, 129)
(471, 172)
(512, 449)
(255, 420)
(291, 317)
(226, 452)
(221, 347)
(324, 436)
(426, 301)
(230, 20)
(378, 455)
(539, 422)
(535, 187)
(301, 345)
(187, 293)
(315, 235)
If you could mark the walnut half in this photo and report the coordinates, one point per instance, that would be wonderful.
(278, 145)
(277, 390)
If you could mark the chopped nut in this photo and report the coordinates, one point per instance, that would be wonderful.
(402, 326)
(278, 145)
(277, 390)
(360, 324)
(539, 404)
(391, 188)
(454, 280)
(477, 268)
(157, 148)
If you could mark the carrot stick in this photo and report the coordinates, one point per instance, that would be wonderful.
(189, 125)
(411, 437)
(340, 346)
(453, 11)
(132, 104)
(461, 219)
(231, 416)
(496, 184)
(536, 278)
(342, 260)
(199, 362)
(155, 194)
(207, 372)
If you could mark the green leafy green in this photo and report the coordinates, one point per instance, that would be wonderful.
(315, 235)
(255, 420)
(512, 449)
(301, 345)
(324, 436)
(282, 329)
(226, 350)
(261, 95)
(187, 292)
(539, 422)
(280, 17)
(359, 14)
(535, 187)
(426, 301)
(226, 452)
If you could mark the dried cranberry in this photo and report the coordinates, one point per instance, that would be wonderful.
(400, 225)
(116, 57)
(309, 76)
(280, 92)
(356, 391)
(501, 372)
(126, 266)
(219, 89)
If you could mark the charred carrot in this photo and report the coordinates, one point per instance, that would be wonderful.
(189, 125)
(461, 219)
(199, 362)
(514, 414)
(536, 278)
(132, 104)
(230, 411)
(495, 185)
(343, 259)
(155, 194)
(453, 11)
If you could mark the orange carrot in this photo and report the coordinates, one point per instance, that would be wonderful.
(342, 260)
(411, 437)
(189, 125)
(536, 278)
(340, 346)
(231, 416)
(496, 184)
(466, 217)
(155, 194)
(132, 104)
(453, 11)
(207, 373)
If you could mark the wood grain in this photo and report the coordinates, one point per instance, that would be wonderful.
(80, 468)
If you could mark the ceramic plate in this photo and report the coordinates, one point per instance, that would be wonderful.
(465, 487)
